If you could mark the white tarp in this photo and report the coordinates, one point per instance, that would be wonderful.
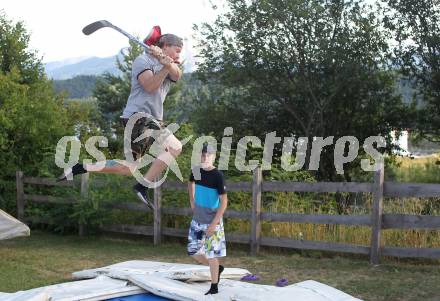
(239, 291)
(177, 271)
(10, 227)
(159, 278)
(100, 288)
(25, 296)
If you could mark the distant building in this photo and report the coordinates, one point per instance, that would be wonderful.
(401, 140)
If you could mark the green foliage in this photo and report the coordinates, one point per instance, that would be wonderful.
(302, 68)
(422, 170)
(32, 118)
(52, 217)
(15, 54)
(315, 68)
(32, 121)
(416, 28)
(87, 212)
(8, 196)
(80, 86)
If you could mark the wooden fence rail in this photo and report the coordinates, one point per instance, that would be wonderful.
(377, 220)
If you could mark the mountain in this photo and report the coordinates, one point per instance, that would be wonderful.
(81, 66)
(69, 61)
(86, 65)
(80, 86)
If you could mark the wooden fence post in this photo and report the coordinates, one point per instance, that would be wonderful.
(256, 211)
(376, 215)
(20, 195)
(84, 194)
(157, 227)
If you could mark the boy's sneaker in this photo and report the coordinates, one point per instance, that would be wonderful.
(76, 169)
(142, 193)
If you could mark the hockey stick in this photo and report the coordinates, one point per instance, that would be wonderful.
(92, 27)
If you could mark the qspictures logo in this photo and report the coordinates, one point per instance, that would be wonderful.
(346, 150)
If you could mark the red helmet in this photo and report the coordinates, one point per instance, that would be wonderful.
(154, 36)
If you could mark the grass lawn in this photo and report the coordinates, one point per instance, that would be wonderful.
(44, 259)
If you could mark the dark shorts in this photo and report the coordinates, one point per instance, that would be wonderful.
(142, 125)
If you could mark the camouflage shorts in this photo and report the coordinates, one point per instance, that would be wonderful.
(142, 125)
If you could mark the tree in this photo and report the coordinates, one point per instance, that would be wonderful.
(32, 117)
(80, 86)
(302, 68)
(416, 27)
(14, 41)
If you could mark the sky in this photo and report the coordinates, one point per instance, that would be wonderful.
(55, 26)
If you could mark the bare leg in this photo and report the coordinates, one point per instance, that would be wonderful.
(201, 259)
(121, 167)
(111, 167)
(155, 169)
(116, 169)
(160, 164)
(213, 268)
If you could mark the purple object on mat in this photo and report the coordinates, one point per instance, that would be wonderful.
(250, 277)
(282, 282)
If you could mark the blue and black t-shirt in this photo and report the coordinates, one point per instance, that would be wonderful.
(207, 194)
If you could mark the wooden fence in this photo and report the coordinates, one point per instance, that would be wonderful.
(377, 220)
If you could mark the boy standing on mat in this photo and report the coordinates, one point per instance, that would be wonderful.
(208, 199)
